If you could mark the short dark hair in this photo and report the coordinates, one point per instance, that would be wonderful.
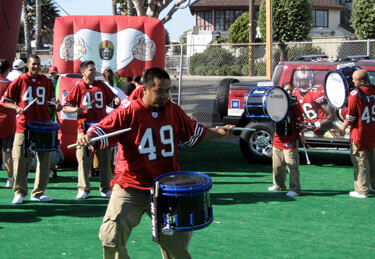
(4, 66)
(85, 65)
(129, 88)
(154, 72)
(287, 83)
(137, 78)
(30, 56)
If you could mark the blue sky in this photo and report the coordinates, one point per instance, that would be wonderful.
(181, 21)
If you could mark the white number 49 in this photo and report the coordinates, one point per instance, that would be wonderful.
(147, 145)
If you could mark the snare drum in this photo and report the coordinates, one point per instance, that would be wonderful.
(338, 84)
(264, 104)
(42, 135)
(181, 202)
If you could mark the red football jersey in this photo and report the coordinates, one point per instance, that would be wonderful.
(95, 97)
(295, 118)
(7, 116)
(362, 118)
(150, 148)
(311, 105)
(24, 90)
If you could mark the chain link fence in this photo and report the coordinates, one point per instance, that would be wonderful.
(196, 70)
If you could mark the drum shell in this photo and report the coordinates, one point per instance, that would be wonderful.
(256, 104)
(43, 136)
(184, 206)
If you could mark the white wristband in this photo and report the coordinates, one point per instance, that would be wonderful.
(317, 124)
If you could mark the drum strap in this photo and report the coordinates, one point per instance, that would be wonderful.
(26, 144)
(362, 95)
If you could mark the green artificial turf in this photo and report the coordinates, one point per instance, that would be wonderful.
(249, 221)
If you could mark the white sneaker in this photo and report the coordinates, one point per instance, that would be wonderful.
(106, 194)
(292, 193)
(355, 194)
(10, 183)
(82, 195)
(273, 188)
(42, 198)
(18, 199)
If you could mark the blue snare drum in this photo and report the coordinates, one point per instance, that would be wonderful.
(265, 104)
(183, 202)
(43, 135)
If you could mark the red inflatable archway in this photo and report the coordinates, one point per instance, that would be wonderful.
(126, 44)
(9, 27)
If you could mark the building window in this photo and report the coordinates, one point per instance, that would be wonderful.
(204, 20)
(224, 19)
(319, 18)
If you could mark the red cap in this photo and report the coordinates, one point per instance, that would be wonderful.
(53, 69)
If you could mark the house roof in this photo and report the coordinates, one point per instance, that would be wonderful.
(244, 4)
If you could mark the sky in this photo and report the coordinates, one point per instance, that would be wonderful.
(181, 21)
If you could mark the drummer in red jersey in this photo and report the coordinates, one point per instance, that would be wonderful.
(7, 124)
(21, 92)
(89, 98)
(319, 115)
(361, 119)
(149, 150)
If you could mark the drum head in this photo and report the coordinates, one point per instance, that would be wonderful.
(276, 104)
(335, 89)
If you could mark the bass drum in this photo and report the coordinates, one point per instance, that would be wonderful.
(265, 104)
(338, 84)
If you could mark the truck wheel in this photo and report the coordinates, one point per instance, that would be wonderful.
(256, 146)
(222, 94)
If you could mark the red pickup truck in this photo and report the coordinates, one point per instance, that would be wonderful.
(308, 75)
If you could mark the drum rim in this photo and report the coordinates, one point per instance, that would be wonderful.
(346, 88)
(179, 191)
(265, 103)
(53, 127)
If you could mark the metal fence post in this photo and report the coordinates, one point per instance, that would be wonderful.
(368, 48)
(180, 78)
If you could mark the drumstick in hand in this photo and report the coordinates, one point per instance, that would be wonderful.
(237, 128)
(101, 137)
(307, 156)
(27, 106)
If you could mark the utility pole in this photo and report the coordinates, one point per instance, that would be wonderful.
(269, 38)
(251, 38)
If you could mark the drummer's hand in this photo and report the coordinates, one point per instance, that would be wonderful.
(80, 110)
(117, 101)
(341, 133)
(19, 110)
(58, 106)
(85, 140)
(226, 130)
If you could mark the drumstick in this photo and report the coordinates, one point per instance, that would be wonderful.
(27, 106)
(307, 156)
(101, 137)
(237, 128)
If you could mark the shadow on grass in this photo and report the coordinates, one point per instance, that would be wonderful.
(29, 212)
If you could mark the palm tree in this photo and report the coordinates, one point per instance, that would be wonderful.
(38, 24)
(26, 27)
(114, 7)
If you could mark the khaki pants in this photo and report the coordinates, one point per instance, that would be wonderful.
(21, 166)
(364, 169)
(280, 159)
(124, 212)
(84, 158)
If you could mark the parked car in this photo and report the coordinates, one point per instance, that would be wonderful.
(308, 75)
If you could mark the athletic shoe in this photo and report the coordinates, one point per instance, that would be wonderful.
(355, 194)
(82, 195)
(292, 193)
(106, 194)
(18, 199)
(42, 198)
(10, 183)
(372, 190)
(273, 188)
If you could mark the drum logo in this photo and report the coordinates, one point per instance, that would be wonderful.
(277, 96)
(106, 50)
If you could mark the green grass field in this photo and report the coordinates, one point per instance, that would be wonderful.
(249, 221)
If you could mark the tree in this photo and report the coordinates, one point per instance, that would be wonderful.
(49, 12)
(239, 30)
(27, 27)
(363, 19)
(291, 21)
(38, 24)
(151, 8)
